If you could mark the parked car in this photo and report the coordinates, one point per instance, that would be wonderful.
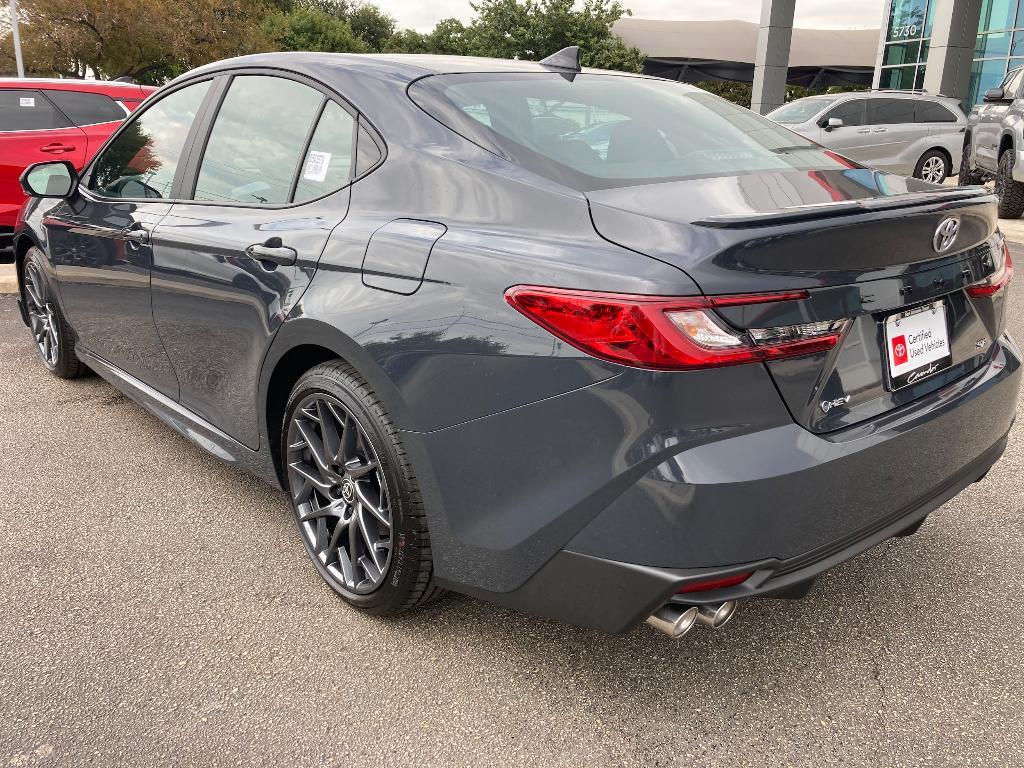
(994, 142)
(43, 119)
(909, 133)
(706, 364)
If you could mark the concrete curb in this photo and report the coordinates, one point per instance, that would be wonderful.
(8, 279)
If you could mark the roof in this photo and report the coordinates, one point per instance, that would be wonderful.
(71, 84)
(734, 40)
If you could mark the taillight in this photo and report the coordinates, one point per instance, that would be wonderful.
(997, 280)
(667, 332)
(706, 585)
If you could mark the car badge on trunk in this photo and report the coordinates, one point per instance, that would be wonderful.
(945, 234)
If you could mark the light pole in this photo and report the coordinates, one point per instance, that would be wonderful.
(13, 5)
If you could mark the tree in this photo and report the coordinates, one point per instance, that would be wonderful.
(533, 29)
(449, 37)
(311, 29)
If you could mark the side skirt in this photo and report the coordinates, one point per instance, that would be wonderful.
(182, 420)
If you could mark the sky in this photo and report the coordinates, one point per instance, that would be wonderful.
(421, 15)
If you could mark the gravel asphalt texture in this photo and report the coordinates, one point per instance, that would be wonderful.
(158, 609)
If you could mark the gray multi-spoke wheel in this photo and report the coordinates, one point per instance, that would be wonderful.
(50, 332)
(41, 317)
(339, 493)
(933, 167)
(355, 495)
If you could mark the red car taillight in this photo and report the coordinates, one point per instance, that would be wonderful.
(667, 332)
(706, 585)
(997, 280)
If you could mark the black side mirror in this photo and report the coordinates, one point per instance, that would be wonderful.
(57, 178)
(995, 96)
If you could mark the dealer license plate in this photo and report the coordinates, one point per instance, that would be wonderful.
(917, 344)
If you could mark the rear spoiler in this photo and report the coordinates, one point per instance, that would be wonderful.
(842, 208)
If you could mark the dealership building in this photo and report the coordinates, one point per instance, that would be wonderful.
(957, 48)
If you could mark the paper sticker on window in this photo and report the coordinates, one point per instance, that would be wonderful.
(316, 166)
(26, 101)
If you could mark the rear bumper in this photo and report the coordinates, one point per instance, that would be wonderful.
(780, 502)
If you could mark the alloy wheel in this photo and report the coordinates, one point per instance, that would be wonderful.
(41, 315)
(934, 170)
(340, 494)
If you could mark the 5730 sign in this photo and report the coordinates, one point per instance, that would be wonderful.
(906, 32)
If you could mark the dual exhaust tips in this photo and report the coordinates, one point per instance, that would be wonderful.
(676, 620)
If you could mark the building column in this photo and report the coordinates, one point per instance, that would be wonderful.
(951, 51)
(771, 62)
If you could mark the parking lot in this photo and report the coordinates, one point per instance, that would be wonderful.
(158, 609)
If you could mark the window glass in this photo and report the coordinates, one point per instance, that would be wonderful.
(327, 165)
(1012, 83)
(257, 140)
(932, 112)
(850, 112)
(897, 78)
(901, 53)
(985, 75)
(907, 19)
(25, 110)
(599, 131)
(997, 14)
(87, 108)
(890, 111)
(992, 46)
(367, 152)
(142, 160)
(799, 111)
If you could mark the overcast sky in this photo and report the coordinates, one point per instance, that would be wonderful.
(423, 14)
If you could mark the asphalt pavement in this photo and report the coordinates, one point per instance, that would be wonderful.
(158, 609)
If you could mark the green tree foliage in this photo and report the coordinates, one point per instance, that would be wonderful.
(311, 29)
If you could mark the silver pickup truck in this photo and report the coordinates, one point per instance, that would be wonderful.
(994, 144)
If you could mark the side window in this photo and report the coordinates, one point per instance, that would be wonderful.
(932, 112)
(141, 161)
(367, 152)
(327, 165)
(26, 110)
(256, 144)
(1012, 83)
(890, 111)
(850, 112)
(87, 108)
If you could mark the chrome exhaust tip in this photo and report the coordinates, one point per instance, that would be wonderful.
(717, 616)
(674, 620)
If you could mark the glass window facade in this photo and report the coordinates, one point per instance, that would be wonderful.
(906, 44)
(1000, 39)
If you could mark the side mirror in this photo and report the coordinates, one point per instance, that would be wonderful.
(833, 123)
(57, 178)
(995, 95)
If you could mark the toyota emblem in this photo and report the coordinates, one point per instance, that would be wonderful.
(945, 234)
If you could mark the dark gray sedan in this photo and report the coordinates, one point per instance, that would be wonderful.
(597, 346)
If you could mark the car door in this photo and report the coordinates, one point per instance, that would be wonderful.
(849, 139)
(103, 240)
(266, 192)
(96, 114)
(989, 128)
(893, 130)
(32, 130)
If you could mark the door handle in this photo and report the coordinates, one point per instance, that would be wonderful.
(273, 251)
(136, 233)
(880, 130)
(863, 130)
(57, 148)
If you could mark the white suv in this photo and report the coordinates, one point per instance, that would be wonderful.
(905, 132)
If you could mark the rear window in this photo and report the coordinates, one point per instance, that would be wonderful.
(933, 112)
(87, 108)
(799, 111)
(600, 131)
(26, 110)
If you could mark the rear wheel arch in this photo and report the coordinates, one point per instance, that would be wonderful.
(1005, 144)
(300, 345)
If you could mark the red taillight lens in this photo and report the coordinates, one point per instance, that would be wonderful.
(667, 333)
(706, 585)
(997, 280)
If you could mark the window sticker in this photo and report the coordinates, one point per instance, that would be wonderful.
(26, 101)
(316, 166)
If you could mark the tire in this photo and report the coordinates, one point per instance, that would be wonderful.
(1009, 192)
(969, 177)
(340, 449)
(933, 167)
(54, 338)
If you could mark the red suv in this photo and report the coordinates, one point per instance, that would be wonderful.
(54, 120)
